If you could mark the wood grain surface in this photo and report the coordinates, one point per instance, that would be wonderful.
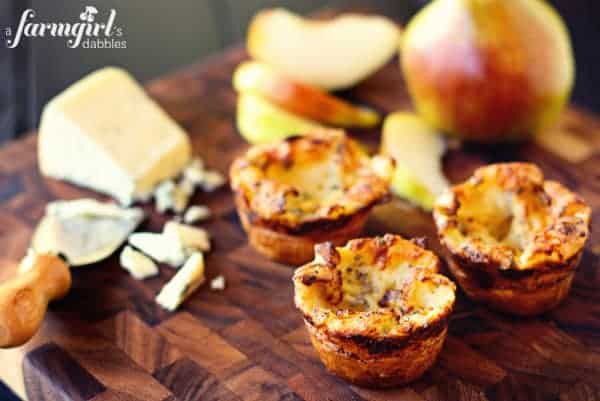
(108, 340)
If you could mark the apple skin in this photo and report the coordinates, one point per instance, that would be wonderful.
(488, 70)
(418, 150)
(301, 99)
(260, 121)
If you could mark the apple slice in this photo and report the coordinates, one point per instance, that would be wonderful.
(332, 54)
(259, 121)
(308, 101)
(418, 150)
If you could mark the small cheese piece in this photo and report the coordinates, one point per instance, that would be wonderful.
(163, 196)
(171, 196)
(159, 247)
(194, 172)
(105, 133)
(183, 284)
(196, 214)
(191, 238)
(137, 264)
(212, 180)
(217, 283)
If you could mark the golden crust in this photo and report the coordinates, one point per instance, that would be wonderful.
(376, 309)
(507, 217)
(297, 249)
(307, 189)
(514, 239)
(530, 295)
(303, 180)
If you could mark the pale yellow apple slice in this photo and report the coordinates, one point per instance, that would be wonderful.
(332, 54)
(418, 150)
(260, 79)
(260, 121)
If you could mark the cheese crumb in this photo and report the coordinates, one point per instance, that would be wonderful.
(217, 283)
(194, 172)
(161, 248)
(212, 180)
(196, 214)
(137, 264)
(191, 238)
(183, 284)
(171, 196)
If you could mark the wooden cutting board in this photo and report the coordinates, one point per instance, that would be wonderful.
(109, 341)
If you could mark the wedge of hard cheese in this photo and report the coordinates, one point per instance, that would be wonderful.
(104, 132)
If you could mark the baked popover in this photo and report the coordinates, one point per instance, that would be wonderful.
(307, 189)
(514, 239)
(376, 309)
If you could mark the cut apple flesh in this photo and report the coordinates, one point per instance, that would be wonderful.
(305, 100)
(332, 54)
(418, 150)
(259, 121)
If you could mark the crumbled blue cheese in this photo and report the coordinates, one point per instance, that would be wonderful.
(137, 264)
(195, 214)
(190, 238)
(171, 196)
(183, 284)
(160, 248)
(212, 180)
(217, 283)
(194, 172)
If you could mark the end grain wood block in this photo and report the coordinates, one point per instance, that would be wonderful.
(112, 367)
(50, 363)
(145, 346)
(265, 350)
(200, 344)
(190, 382)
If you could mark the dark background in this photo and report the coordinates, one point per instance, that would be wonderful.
(163, 35)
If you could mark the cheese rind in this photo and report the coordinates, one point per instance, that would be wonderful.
(85, 231)
(104, 132)
(183, 284)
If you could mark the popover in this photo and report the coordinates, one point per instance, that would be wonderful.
(376, 309)
(513, 238)
(307, 189)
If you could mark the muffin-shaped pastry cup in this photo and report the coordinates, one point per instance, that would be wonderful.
(307, 189)
(376, 309)
(514, 240)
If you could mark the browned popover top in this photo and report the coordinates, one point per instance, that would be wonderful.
(320, 176)
(384, 288)
(506, 216)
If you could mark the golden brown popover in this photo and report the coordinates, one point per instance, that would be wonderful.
(376, 309)
(307, 189)
(514, 239)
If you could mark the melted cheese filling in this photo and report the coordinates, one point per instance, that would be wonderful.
(496, 218)
(320, 184)
(386, 297)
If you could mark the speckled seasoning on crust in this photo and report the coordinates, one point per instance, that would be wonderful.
(514, 239)
(376, 309)
(307, 189)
